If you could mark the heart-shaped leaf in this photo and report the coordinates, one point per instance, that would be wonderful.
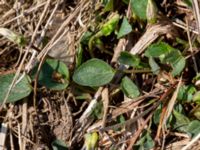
(54, 74)
(20, 90)
(93, 72)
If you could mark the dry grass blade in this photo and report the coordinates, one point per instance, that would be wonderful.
(24, 123)
(40, 21)
(169, 110)
(172, 102)
(182, 25)
(195, 139)
(130, 121)
(191, 49)
(118, 49)
(163, 113)
(151, 34)
(91, 106)
(21, 15)
(177, 144)
(3, 134)
(125, 107)
(195, 5)
(105, 98)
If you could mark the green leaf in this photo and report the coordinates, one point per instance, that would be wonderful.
(182, 94)
(105, 30)
(167, 54)
(93, 72)
(188, 3)
(127, 58)
(178, 66)
(181, 121)
(139, 7)
(193, 128)
(196, 79)
(109, 6)
(158, 49)
(98, 110)
(172, 57)
(83, 96)
(59, 145)
(79, 56)
(109, 26)
(151, 12)
(196, 97)
(121, 119)
(86, 37)
(126, 1)
(196, 112)
(54, 74)
(99, 44)
(129, 88)
(21, 90)
(154, 66)
(145, 142)
(91, 140)
(124, 29)
(176, 60)
(104, 2)
(186, 93)
(183, 124)
(149, 142)
(156, 115)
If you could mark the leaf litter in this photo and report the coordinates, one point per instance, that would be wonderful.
(149, 99)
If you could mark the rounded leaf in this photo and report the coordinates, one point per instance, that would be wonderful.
(93, 72)
(20, 90)
(54, 75)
